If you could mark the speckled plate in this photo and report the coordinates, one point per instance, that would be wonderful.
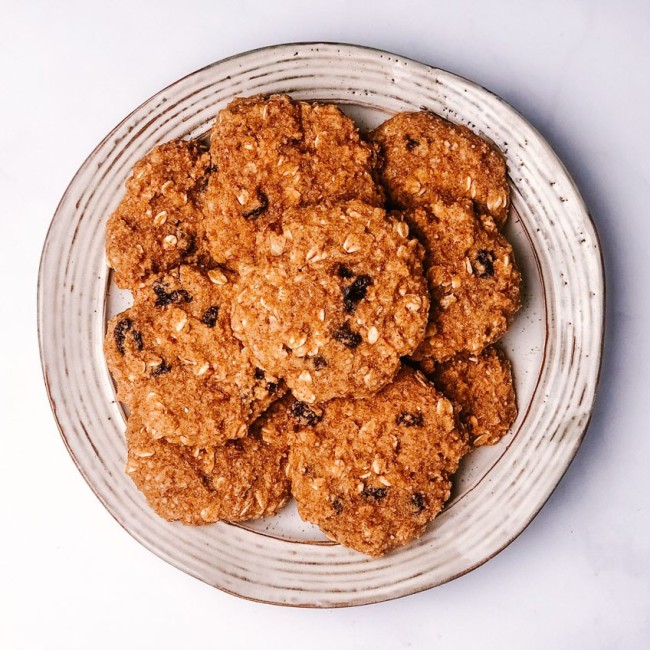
(555, 342)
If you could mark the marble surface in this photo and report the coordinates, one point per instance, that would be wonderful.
(579, 576)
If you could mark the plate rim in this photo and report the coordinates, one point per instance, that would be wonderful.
(602, 278)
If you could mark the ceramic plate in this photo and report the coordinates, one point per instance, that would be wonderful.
(554, 344)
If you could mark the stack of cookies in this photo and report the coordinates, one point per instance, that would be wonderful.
(313, 316)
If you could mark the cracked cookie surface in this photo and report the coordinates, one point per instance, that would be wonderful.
(336, 298)
(176, 362)
(158, 223)
(425, 158)
(273, 153)
(372, 473)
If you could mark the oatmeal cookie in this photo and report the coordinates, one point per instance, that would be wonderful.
(337, 297)
(481, 389)
(239, 480)
(270, 154)
(158, 224)
(473, 281)
(371, 473)
(175, 359)
(426, 157)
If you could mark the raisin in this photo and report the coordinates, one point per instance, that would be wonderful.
(119, 333)
(259, 374)
(418, 501)
(263, 203)
(375, 493)
(210, 316)
(344, 272)
(161, 369)
(319, 362)
(137, 337)
(346, 336)
(304, 414)
(410, 419)
(337, 505)
(271, 387)
(356, 292)
(164, 298)
(411, 143)
(484, 263)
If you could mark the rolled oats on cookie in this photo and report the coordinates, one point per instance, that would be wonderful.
(425, 158)
(175, 359)
(372, 473)
(336, 298)
(273, 153)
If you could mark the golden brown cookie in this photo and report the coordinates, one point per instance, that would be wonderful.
(336, 298)
(481, 389)
(426, 157)
(274, 153)
(473, 280)
(174, 359)
(373, 472)
(158, 224)
(239, 480)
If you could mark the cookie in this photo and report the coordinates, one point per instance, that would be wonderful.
(174, 359)
(372, 473)
(271, 154)
(426, 157)
(158, 224)
(336, 298)
(473, 280)
(481, 389)
(239, 480)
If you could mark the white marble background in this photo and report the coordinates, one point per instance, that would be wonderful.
(579, 576)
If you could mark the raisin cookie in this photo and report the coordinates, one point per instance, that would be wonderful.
(473, 281)
(481, 389)
(175, 360)
(372, 473)
(239, 480)
(270, 154)
(336, 298)
(426, 157)
(158, 224)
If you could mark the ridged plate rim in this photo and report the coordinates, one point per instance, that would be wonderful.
(277, 590)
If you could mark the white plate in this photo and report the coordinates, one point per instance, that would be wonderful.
(554, 344)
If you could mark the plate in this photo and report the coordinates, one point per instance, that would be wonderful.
(554, 344)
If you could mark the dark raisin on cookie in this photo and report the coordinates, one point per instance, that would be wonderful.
(259, 374)
(346, 336)
(484, 263)
(410, 419)
(344, 272)
(263, 203)
(119, 333)
(375, 493)
(304, 414)
(210, 316)
(337, 505)
(319, 362)
(164, 298)
(411, 143)
(418, 501)
(161, 369)
(356, 292)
